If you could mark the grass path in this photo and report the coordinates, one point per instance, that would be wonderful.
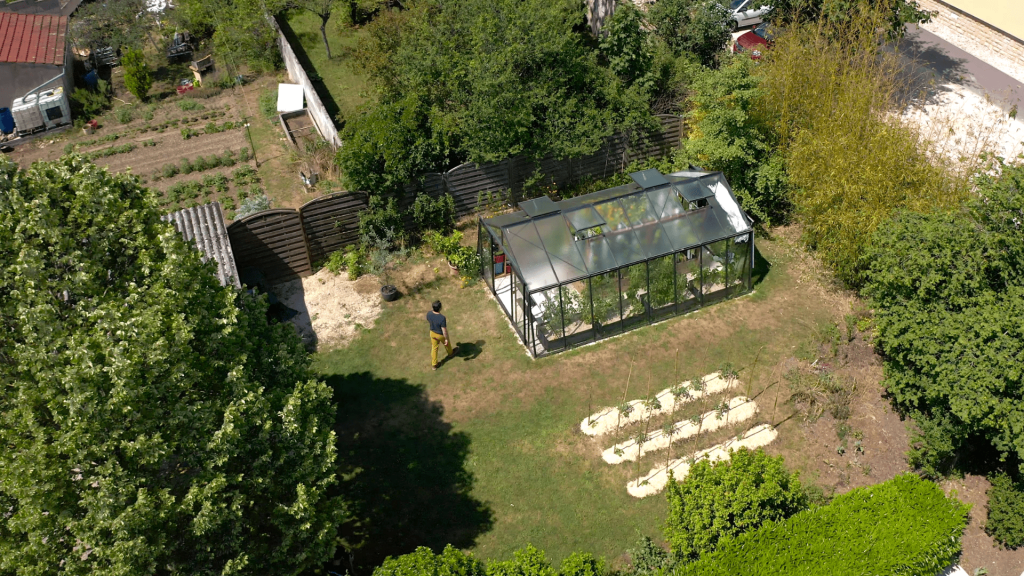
(486, 452)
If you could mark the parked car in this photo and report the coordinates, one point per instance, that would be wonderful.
(754, 42)
(748, 12)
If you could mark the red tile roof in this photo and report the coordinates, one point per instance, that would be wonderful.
(32, 39)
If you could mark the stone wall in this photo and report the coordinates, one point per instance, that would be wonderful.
(980, 39)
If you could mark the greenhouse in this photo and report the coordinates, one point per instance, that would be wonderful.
(573, 272)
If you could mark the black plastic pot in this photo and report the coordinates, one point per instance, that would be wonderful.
(388, 293)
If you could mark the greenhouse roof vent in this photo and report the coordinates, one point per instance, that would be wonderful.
(539, 206)
(650, 178)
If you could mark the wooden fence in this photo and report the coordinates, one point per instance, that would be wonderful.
(278, 245)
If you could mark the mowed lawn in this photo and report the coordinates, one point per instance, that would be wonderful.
(486, 453)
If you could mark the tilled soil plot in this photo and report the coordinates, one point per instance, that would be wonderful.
(170, 148)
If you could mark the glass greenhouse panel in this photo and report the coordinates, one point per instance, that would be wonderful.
(604, 296)
(634, 294)
(547, 314)
(688, 279)
(576, 308)
(739, 250)
(530, 255)
(713, 260)
(487, 256)
(561, 248)
(661, 276)
(518, 307)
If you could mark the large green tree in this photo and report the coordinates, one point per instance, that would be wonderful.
(485, 80)
(152, 421)
(697, 27)
(948, 294)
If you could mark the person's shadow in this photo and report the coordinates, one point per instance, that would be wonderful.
(402, 472)
(469, 350)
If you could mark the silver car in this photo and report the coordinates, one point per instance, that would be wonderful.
(748, 12)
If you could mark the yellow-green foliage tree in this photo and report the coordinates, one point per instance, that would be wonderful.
(833, 95)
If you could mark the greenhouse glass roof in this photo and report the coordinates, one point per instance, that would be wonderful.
(553, 243)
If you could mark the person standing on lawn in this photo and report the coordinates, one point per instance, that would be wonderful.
(438, 333)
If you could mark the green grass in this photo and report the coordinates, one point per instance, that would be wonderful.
(341, 85)
(486, 452)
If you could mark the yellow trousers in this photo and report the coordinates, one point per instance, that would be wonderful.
(435, 341)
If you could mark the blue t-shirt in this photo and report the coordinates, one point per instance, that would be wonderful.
(436, 321)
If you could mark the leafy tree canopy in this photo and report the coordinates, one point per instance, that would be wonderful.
(722, 500)
(484, 80)
(240, 30)
(152, 421)
(948, 292)
(696, 27)
(113, 23)
(528, 561)
(727, 134)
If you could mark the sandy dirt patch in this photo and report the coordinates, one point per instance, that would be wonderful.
(962, 124)
(740, 409)
(608, 420)
(331, 309)
(656, 480)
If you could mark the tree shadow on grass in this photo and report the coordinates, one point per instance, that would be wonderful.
(403, 473)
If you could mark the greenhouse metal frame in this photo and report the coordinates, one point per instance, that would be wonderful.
(573, 272)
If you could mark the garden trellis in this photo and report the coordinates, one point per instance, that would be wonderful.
(572, 272)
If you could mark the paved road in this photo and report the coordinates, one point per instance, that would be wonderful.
(948, 64)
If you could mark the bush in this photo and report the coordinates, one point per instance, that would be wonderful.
(335, 262)
(947, 291)
(186, 166)
(169, 171)
(434, 213)
(136, 73)
(903, 526)
(355, 261)
(253, 204)
(244, 175)
(91, 103)
(227, 203)
(1005, 520)
(103, 153)
(188, 133)
(188, 104)
(443, 245)
(123, 114)
(422, 562)
(243, 155)
(380, 216)
(722, 500)
(528, 561)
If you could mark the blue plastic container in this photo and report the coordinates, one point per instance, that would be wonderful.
(6, 121)
(91, 79)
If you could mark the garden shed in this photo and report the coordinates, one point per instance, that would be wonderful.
(572, 272)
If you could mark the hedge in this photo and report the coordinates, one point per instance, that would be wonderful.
(903, 526)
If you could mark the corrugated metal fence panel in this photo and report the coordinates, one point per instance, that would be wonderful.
(270, 244)
(466, 182)
(332, 222)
